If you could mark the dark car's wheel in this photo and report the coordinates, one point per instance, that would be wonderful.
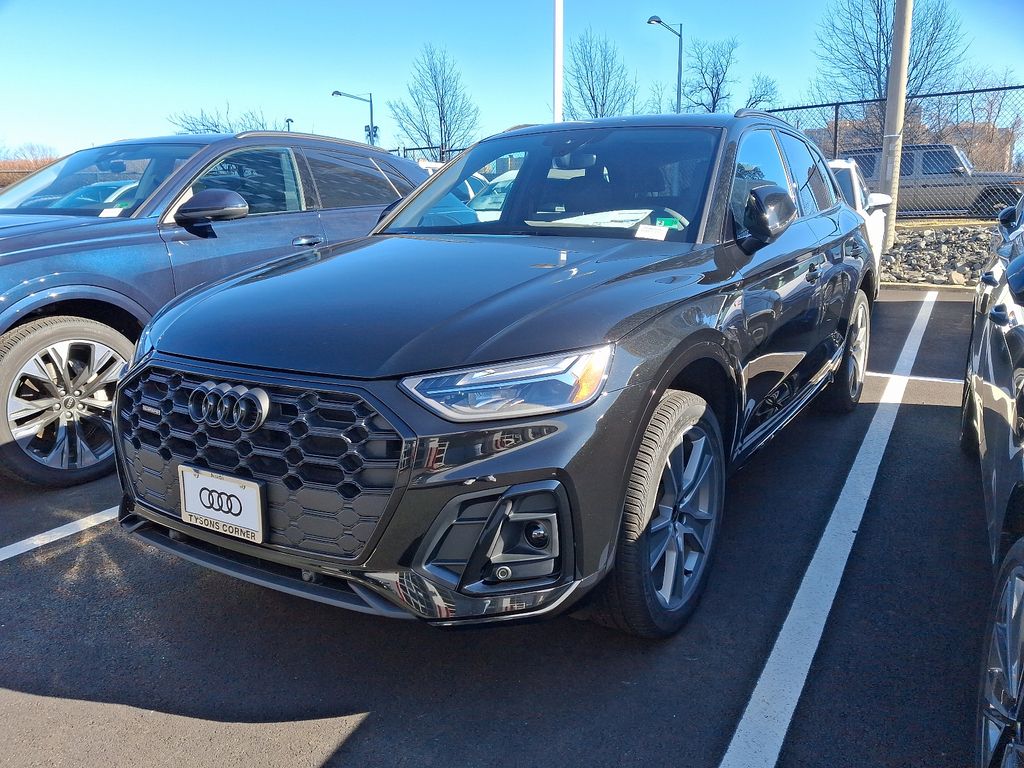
(57, 377)
(843, 394)
(968, 418)
(1000, 730)
(670, 522)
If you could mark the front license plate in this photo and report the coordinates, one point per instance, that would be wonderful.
(228, 505)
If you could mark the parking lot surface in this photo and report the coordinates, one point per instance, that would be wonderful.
(114, 655)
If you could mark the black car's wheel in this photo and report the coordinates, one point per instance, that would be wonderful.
(670, 522)
(1000, 724)
(57, 377)
(968, 418)
(843, 394)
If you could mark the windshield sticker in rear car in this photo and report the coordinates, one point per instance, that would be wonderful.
(651, 232)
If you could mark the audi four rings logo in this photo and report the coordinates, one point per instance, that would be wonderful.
(218, 501)
(221, 405)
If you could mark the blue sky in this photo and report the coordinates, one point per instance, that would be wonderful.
(74, 73)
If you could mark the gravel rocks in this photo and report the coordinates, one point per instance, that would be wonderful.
(954, 255)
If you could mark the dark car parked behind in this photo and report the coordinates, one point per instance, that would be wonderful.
(482, 418)
(93, 245)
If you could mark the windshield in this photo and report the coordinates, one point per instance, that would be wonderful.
(104, 181)
(597, 182)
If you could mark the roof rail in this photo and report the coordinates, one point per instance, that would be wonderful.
(300, 135)
(757, 113)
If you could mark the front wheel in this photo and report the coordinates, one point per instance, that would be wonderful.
(670, 521)
(843, 394)
(1000, 731)
(57, 377)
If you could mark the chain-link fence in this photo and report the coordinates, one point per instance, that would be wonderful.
(963, 151)
(431, 154)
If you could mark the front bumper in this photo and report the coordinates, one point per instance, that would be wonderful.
(410, 567)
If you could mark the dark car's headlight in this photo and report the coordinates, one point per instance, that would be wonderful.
(510, 390)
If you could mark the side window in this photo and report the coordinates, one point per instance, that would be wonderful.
(935, 161)
(829, 187)
(347, 181)
(265, 178)
(907, 163)
(403, 185)
(758, 163)
(812, 189)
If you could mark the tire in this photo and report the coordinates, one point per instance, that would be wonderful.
(843, 394)
(43, 364)
(683, 435)
(996, 705)
(969, 440)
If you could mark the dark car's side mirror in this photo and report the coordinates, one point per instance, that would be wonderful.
(1008, 217)
(388, 209)
(769, 212)
(211, 205)
(1015, 279)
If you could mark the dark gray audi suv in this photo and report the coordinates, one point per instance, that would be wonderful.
(93, 245)
(486, 415)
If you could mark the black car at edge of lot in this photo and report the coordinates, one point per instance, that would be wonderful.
(992, 428)
(480, 416)
(92, 246)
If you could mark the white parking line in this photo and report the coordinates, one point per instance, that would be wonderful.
(932, 379)
(762, 729)
(55, 534)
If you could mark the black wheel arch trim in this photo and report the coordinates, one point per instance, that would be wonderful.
(35, 305)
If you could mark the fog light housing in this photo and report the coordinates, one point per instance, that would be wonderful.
(536, 535)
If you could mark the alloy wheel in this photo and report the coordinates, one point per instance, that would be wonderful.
(1002, 734)
(858, 357)
(685, 518)
(60, 404)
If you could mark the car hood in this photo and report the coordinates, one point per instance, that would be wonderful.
(24, 225)
(997, 176)
(386, 306)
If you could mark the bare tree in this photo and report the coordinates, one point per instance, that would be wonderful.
(597, 83)
(855, 46)
(659, 100)
(709, 65)
(764, 92)
(216, 121)
(438, 112)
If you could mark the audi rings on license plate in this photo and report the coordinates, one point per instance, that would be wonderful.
(228, 505)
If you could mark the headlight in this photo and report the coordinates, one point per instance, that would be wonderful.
(143, 346)
(511, 390)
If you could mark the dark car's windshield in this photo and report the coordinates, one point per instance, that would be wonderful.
(607, 182)
(103, 181)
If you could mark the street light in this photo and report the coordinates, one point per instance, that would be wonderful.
(679, 67)
(371, 129)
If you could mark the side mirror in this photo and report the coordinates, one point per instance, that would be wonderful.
(960, 170)
(1015, 279)
(1008, 217)
(388, 209)
(878, 200)
(212, 205)
(768, 213)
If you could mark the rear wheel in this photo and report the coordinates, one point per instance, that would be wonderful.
(843, 394)
(1000, 730)
(670, 521)
(57, 376)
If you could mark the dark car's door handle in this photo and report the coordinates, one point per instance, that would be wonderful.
(999, 315)
(852, 249)
(307, 241)
(813, 272)
(989, 279)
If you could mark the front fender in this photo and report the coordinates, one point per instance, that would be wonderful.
(16, 312)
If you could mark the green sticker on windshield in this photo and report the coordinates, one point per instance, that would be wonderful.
(671, 223)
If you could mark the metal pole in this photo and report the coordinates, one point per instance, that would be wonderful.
(556, 93)
(679, 74)
(372, 131)
(895, 100)
(835, 134)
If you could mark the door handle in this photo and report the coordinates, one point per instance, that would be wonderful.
(989, 279)
(813, 272)
(999, 315)
(852, 249)
(303, 241)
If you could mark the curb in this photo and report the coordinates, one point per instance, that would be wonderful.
(929, 286)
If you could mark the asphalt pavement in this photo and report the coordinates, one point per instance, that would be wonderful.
(112, 654)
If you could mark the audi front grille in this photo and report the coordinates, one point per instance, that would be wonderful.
(329, 460)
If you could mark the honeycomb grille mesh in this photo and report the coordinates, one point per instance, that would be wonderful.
(329, 460)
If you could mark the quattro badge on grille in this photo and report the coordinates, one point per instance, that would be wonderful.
(230, 407)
